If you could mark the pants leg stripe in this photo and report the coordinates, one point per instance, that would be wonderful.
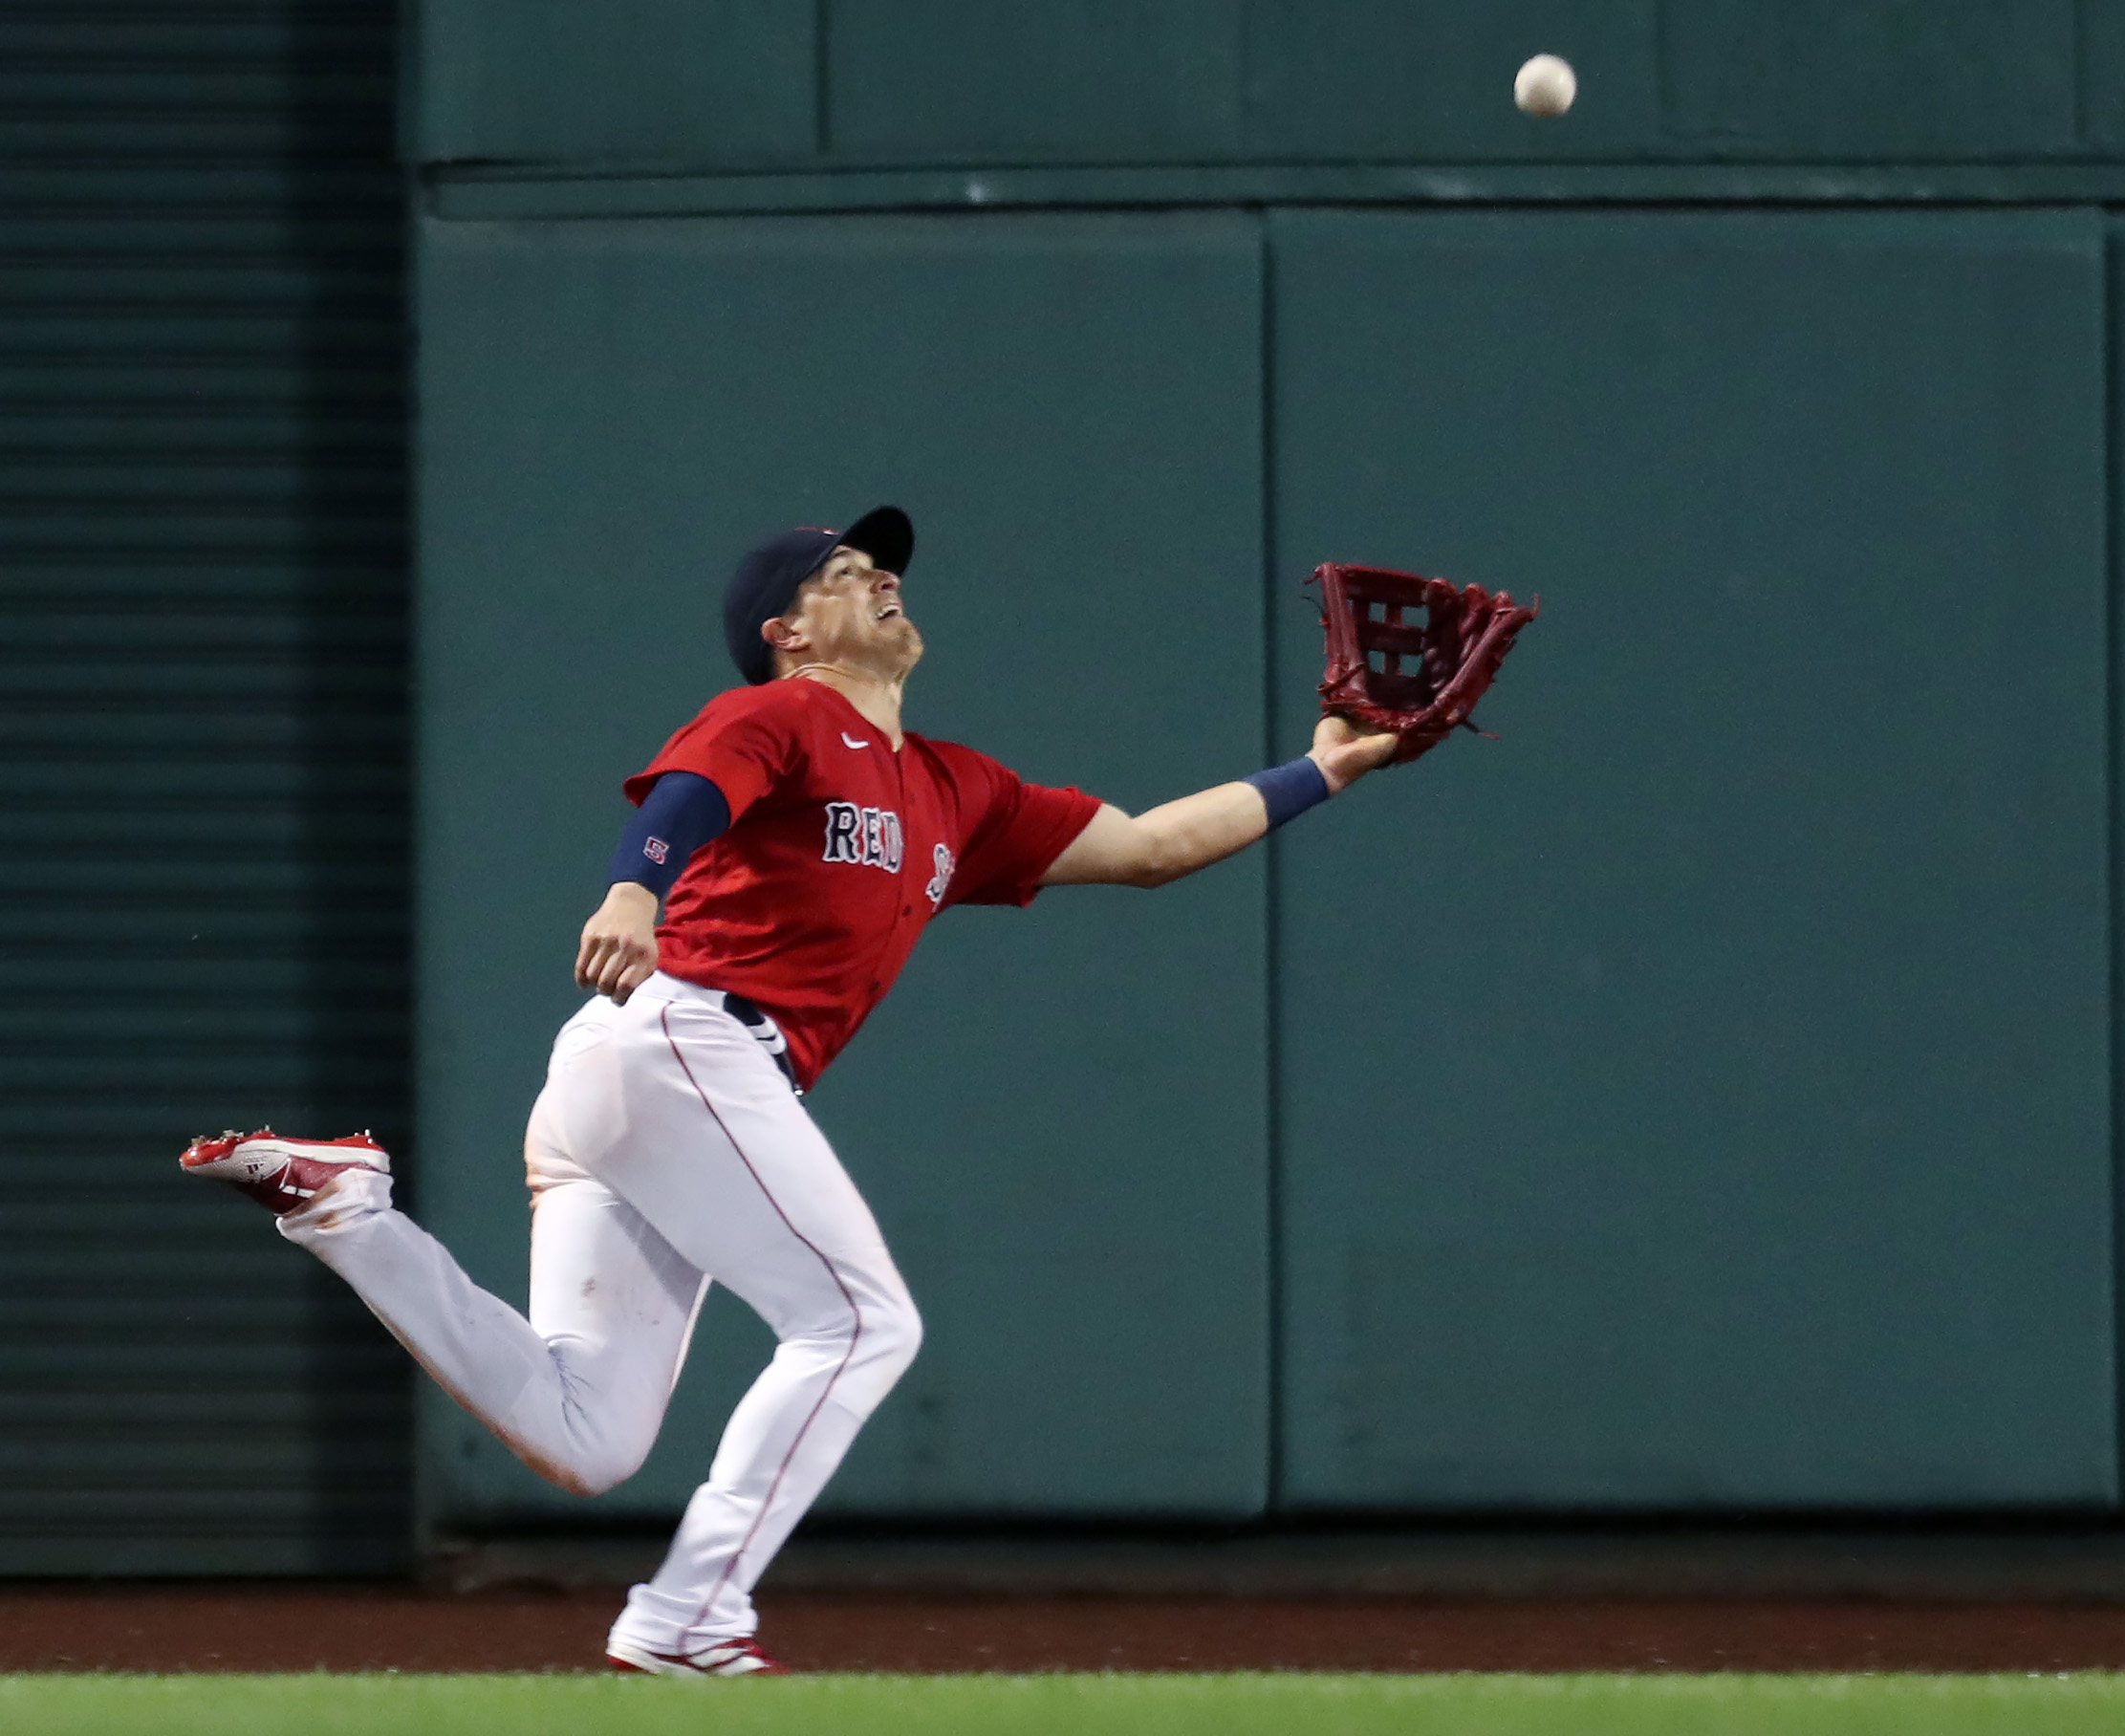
(856, 1335)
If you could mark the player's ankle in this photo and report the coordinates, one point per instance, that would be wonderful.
(340, 1204)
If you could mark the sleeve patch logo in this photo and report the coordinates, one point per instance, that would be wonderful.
(865, 837)
(656, 850)
(941, 859)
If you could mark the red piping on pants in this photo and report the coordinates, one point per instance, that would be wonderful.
(663, 1018)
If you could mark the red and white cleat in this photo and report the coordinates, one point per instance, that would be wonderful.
(725, 1657)
(280, 1174)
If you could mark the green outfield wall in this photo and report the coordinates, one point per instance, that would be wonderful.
(1699, 1097)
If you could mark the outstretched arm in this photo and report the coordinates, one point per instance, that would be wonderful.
(1167, 842)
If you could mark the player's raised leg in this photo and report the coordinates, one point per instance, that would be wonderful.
(577, 1391)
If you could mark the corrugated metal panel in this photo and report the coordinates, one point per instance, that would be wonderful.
(203, 770)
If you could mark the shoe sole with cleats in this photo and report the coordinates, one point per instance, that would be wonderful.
(281, 1174)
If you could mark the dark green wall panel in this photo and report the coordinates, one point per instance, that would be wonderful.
(1355, 79)
(1076, 80)
(1060, 1115)
(1862, 80)
(2103, 74)
(624, 82)
(731, 85)
(1701, 1095)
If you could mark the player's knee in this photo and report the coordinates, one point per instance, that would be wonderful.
(896, 1331)
(595, 1470)
(576, 1472)
(572, 1479)
(598, 1479)
(591, 1458)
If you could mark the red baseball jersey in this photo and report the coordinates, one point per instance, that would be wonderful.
(839, 854)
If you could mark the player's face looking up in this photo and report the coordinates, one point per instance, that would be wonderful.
(848, 613)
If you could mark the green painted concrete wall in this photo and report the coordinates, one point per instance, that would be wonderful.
(726, 83)
(1699, 1097)
(1761, 1149)
(1061, 1114)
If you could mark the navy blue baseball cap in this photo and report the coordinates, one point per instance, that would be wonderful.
(766, 579)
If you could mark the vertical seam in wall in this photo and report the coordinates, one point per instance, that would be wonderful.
(432, 1429)
(1272, 873)
(2112, 397)
(406, 128)
(821, 138)
(432, 1421)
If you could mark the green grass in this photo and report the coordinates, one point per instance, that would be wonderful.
(1035, 1705)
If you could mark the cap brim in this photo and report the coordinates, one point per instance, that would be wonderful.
(886, 534)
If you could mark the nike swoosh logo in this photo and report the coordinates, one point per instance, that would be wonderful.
(851, 740)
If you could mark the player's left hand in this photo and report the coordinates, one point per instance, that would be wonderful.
(618, 953)
(1344, 755)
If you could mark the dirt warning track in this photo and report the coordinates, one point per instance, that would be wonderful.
(256, 1626)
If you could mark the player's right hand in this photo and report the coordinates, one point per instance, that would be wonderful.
(618, 949)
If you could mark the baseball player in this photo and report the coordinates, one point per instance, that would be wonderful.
(799, 840)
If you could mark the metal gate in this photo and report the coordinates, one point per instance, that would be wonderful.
(203, 863)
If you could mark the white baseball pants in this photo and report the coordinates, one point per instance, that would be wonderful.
(667, 1151)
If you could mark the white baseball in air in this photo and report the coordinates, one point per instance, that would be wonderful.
(1545, 86)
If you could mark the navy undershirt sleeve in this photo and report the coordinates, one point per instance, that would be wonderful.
(682, 812)
(1289, 790)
